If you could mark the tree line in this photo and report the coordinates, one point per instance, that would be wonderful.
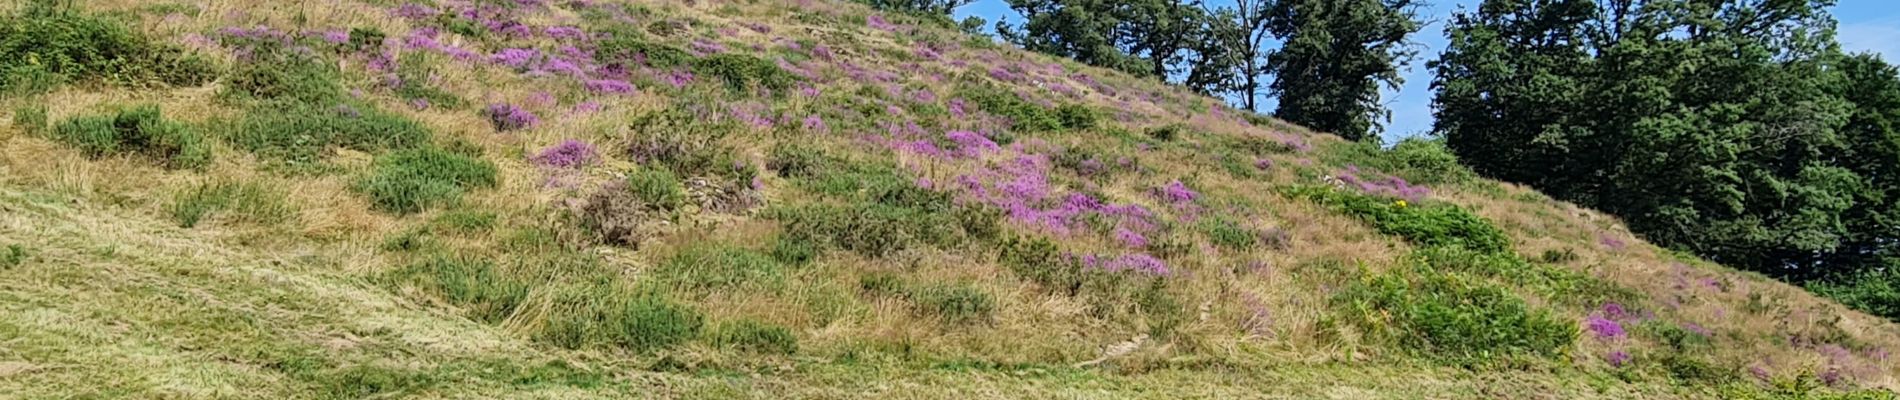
(1734, 129)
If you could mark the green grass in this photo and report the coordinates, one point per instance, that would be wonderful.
(720, 266)
(249, 202)
(754, 336)
(410, 181)
(142, 130)
(1452, 318)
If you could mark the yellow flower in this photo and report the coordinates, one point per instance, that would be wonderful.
(1400, 203)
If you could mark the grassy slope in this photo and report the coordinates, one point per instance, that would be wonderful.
(114, 300)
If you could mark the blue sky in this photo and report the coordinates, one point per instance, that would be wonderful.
(1865, 25)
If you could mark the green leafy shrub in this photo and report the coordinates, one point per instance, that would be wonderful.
(1419, 161)
(1874, 291)
(742, 72)
(142, 129)
(957, 303)
(410, 181)
(791, 251)
(1169, 132)
(1077, 116)
(677, 140)
(755, 336)
(1423, 225)
(1452, 318)
(14, 255)
(247, 201)
(625, 44)
(477, 286)
(719, 266)
(657, 187)
(1229, 235)
(799, 160)
(1560, 285)
(48, 44)
(1024, 116)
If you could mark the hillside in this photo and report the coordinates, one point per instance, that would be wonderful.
(802, 199)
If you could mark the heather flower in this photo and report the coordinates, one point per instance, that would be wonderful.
(1130, 238)
(678, 79)
(877, 22)
(567, 154)
(607, 86)
(587, 107)
(515, 57)
(508, 117)
(1177, 192)
(971, 143)
(1615, 311)
(1618, 358)
(335, 36)
(705, 47)
(564, 32)
(821, 52)
(1604, 328)
(815, 124)
(414, 11)
(1611, 242)
(1760, 372)
(1263, 164)
(419, 104)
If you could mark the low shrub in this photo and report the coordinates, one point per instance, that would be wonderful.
(871, 229)
(1077, 116)
(1228, 235)
(13, 256)
(143, 130)
(1167, 133)
(1423, 225)
(755, 336)
(1451, 318)
(658, 188)
(625, 45)
(410, 181)
(741, 73)
(1024, 116)
(47, 44)
(682, 142)
(1416, 160)
(245, 201)
(301, 132)
(1874, 291)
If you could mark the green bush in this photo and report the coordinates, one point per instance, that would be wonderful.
(1874, 291)
(1419, 161)
(956, 303)
(300, 132)
(1422, 224)
(1229, 235)
(1559, 285)
(625, 44)
(871, 229)
(14, 255)
(247, 201)
(277, 74)
(657, 188)
(806, 161)
(651, 322)
(142, 129)
(742, 72)
(410, 181)
(677, 140)
(755, 336)
(1077, 116)
(1024, 116)
(719, 266)
(1169, 132)
(477, 286)
(1452, 318)
(1038, 260)
(791, 251)
(48, 44)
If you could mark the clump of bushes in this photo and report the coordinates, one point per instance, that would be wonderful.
(410, 181)
(1874, 291)
(1452, 318)
(48, 44)
(680, 141)
(143, 130)
(246, 201)
(876, 229)
(1422, 224)
(1419, 161)
(742, 72)
(1024, 116)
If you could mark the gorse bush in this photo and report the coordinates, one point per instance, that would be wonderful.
(244, 201)
(142, 129)
(48, 44)
(956, 303)
(410, 181)
(1024, 116)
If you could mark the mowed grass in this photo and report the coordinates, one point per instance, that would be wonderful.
(116, 304)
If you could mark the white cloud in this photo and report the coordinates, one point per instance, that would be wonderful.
(1876, 36)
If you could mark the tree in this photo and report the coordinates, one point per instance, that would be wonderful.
(1715, 126)
(939, 7)
(1088, 31)
(1335, 56)
(1249, 21)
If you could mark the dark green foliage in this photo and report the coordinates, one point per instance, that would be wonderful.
(245, 201)
(624, 44)
(1024, 116)
(793, 252)
(410, 181)
(1335, 55)
(1875, 291)
(741, 72)
(656, 187)
(142, 129)
(13, 256)
(755, 336)
(476, 286)
(682, 142)
(1076, 116)
(1451, 318)
(464, 221)
(1038, 260)
(1144, 38)
(281, 75)
(1555, 256)
(719, 266)
(1168, 133)
(1558, 285)
(1426, 225)
(301, 133)
(870, 229)
(1753, 142)
(797, 160)
(933, 7)
(48, 44)
(1416, 160)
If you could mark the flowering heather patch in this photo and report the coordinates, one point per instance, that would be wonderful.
(821, 52)
(1134, 262)
(1177, 193)
(508, 117)
(564, 33)
(879, 23)
(1130, 238)
(334, 36)
(752, 115)
(1604, 328)
(815, 124)
(419, 104)
(1611, 242)
(1390, 186)
(1263, 164)
(607, 86)
(570, 153)
(1615, 311)
(678, 78)
(1004, 74)
(516, 58)
(1617, 358)
(587, 107)
(971, 144)
(703, 47)
(414, 11)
